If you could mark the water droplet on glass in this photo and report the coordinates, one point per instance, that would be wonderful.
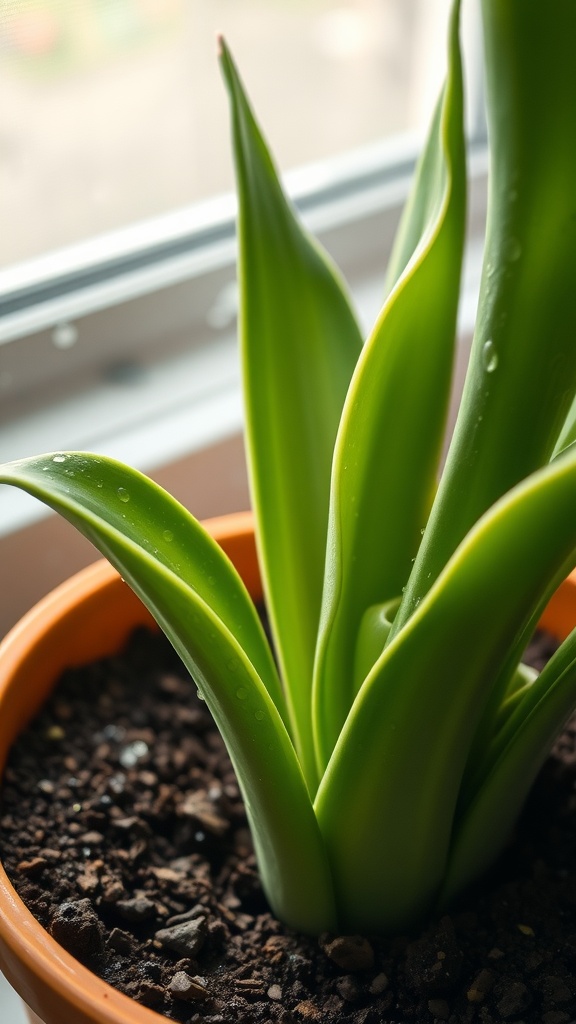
(132, 753)
(489, 357)
(77, 808)
(123, 494)
(241, 693)
(199, 837)
(59, 458)
(168, 536)
(64, 335)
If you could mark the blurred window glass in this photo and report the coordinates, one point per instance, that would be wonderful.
(112, 111)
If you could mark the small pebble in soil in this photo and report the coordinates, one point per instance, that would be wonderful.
(75, 926)
(186, 938)
(188, 989)
(350, 952)
(480, 987)
(379, 984)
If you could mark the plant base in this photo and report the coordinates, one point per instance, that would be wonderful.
(146, 816)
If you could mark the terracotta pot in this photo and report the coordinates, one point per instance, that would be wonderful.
(86, 618)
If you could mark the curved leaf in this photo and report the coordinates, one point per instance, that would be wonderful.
(522, 373)
(567, 435)
(199, 601)
(396, 770)
(503, 698)
(300, 344)
(511, 765)
(389, 442)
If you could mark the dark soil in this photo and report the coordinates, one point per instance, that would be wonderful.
(124, 832)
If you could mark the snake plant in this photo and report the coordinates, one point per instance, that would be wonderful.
(386, 750)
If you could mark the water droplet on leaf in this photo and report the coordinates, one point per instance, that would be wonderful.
(123, 494)
(489, 356)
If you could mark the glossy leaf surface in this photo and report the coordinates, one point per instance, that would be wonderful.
(196, 596)
(388, 445)
(522, 374)
(396, 770)
(300, 344)
(511, 764)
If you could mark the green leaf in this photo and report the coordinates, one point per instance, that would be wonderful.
(567, 435)
(522, 374)
(198, 599)
(300, 344)
(393, 423)
(396, 771)
(512, 762)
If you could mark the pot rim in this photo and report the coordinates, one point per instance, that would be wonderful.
(34, 963)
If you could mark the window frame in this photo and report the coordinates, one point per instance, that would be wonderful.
(154, 303)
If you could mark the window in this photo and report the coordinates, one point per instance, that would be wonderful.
(113, 111)
(117, 293)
